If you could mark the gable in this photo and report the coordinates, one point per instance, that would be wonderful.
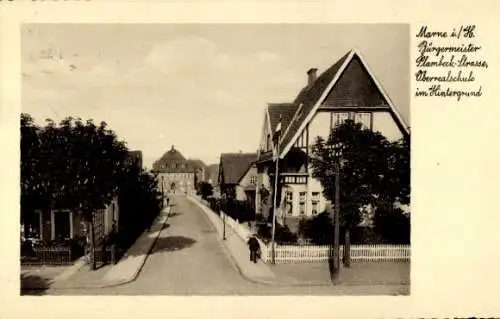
(246, 178)
(351, 85)
(355, 88)
(234, 165)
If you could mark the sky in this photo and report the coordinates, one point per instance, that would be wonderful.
(200, 87)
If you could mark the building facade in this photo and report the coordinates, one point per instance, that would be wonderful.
(238, 175)
(175, 173)
(347, 90)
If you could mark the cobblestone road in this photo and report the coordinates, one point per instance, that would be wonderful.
(188, 259)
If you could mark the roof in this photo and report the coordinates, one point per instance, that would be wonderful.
(196, 163)
(173, 162)
(308, 97)
(285, 110)
(233, 166)
(311, 96)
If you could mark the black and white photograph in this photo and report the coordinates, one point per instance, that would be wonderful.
(215, 159)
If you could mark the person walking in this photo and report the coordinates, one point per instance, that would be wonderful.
(253, 245)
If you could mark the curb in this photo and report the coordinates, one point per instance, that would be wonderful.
(270, 282)
(126, 281)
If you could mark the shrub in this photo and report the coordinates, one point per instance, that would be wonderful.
(283, 234)
(318, 229)
(392, 225)
(205, 190)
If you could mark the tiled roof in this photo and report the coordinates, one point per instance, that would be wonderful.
(309, 96)
(234, 165)
(196, 163)
(173, 162)
(285, 110)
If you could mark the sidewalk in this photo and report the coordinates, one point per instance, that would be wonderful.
(308, 274)
(126, 270)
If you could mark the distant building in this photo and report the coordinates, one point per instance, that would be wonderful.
(175, 173)
(200, 170)
(213, 174)
(238, 175)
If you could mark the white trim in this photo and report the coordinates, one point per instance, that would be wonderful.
(299, 108)
(384, 93)
(315, 107)
(340, 71)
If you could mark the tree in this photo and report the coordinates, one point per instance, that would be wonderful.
(363, 157)
(79, 166)
(30, 159)
(96, 162)
(206, 189)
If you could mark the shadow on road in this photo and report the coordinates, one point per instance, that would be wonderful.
(173, 243)
(173, 214)
(34, 285)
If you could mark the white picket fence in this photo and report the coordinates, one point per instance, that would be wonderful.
(288, 254)
(310, 254)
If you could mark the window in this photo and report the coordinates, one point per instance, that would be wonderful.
(302, 203)
(363, 118)
(253, 180)
(339, 118)
(62, 224)
(315, 203)
(289, 202)
(302, 196)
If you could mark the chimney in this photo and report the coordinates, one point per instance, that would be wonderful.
(311, 77)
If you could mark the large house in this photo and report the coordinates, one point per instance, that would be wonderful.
(238, 175)
(175, 173)
(346, 90)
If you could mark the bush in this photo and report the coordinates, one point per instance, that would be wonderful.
(205, 190)
(283, 234)
(392, 225)
(318, 229)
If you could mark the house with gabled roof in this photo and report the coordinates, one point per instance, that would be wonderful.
(238, 175)
(346, 90)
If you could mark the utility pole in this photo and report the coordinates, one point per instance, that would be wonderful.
(276, 178)
(336, 234)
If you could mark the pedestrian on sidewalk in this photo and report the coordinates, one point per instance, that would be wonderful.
(254, 246)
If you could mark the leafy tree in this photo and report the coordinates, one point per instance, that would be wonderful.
(30, 159)
(206, 189)
(367, 164)
(79, 165)
(139, 202)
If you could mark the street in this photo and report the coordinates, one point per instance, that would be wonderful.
(189, 259)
